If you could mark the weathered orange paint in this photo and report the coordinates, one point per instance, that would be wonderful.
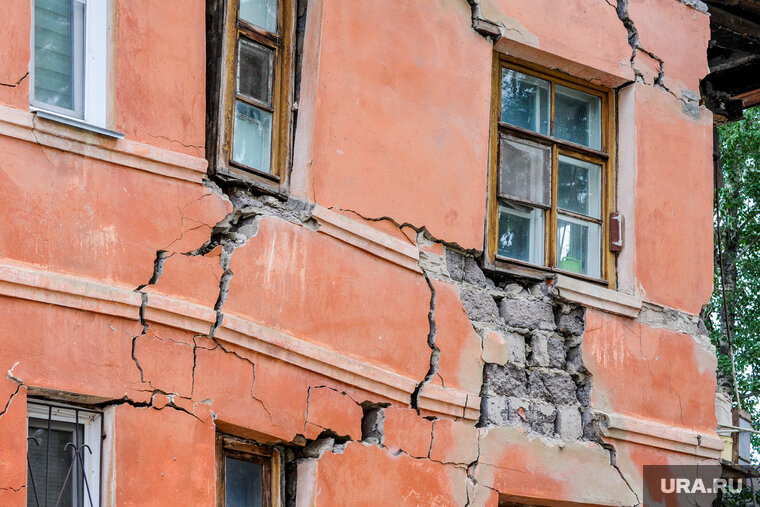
(406, 431)
(673, 202)
(317, 289)
(151, 472)
(393, 126)
(623, 356)
(384, 142)
(14, 59)
(368, 475)
(160, 91)
(680, 46)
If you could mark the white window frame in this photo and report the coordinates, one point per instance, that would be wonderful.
(92, 424)
(93, 75)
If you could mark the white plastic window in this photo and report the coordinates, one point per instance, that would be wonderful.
(69, 59)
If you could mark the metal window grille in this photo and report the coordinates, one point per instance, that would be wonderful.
(63, 455)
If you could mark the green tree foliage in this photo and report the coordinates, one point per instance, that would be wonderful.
(737, 261)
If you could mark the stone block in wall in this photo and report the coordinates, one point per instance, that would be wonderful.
(543, 417)
(494, 410)
(507, 380)
(569, 424)
(570, 320)
(553, 386)
(479, 305)
(539, 354)
(472, 273)
(519, 411)
(527, 313)
(455, 265)
(555, 349)
(574, 361)
(584, 391)
(503, 347)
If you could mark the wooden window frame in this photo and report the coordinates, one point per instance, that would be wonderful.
(234, 447)
(605, 157)
(222, 17)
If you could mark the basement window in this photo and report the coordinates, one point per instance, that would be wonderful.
(248, 474)
(63, 455)
(69, 63)
(551, 175)
(250, 76)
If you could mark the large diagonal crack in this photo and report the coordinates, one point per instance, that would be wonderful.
(689, 101)
(435, 352)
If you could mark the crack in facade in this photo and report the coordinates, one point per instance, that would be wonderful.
(342, 323)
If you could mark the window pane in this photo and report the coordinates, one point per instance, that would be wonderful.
(579, 186)
(525, 171)
(252, 143)
(521, 233)
(53, 55)
(60, 462)
(243, 483)
(255, 64)
(579, 246)
(262, 13)
(525, 101)
(577, 117)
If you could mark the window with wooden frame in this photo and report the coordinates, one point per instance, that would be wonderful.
(552, 175)
(250, 78)
(247, 474)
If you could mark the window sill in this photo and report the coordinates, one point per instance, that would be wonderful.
(594, 296)
(74, 122)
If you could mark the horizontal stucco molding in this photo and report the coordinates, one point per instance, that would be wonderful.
(663, 436)
(34, 284)
(367, 238)
(595, 296)
(26, 126)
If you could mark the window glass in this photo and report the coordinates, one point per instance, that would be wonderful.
(57, 48)
(521, 233)
(255, 65)
(55, 478)
(525, 101)
(578, 246)
(243, 483)
(262, 13)
(577, 117)
(252, 140)
(579, 186)
(525, 171)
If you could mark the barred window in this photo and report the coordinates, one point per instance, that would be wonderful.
(63, 455)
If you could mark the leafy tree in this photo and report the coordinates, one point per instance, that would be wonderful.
(733, 314)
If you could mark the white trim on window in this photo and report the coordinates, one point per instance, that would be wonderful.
(92, 425)
(90, 71)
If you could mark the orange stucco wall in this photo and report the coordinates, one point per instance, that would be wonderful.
(320, 318)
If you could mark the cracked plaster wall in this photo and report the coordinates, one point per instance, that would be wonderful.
(264, 260)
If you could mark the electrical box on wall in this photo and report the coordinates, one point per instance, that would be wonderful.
(616, 231)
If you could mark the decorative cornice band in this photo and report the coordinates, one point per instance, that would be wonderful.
(367, 238)
(26, 126)
(25, 282)
(655, 434)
